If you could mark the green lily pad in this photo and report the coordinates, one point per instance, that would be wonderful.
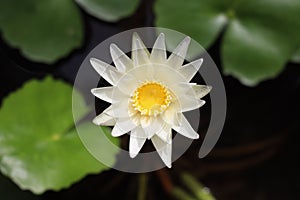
(44, 31)
(39, 146)
(255, 45)
(296, 57)
(198, 19)
(109, 10)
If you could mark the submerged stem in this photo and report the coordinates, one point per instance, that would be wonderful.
(200, 191)
(180, 194)
(143, 179)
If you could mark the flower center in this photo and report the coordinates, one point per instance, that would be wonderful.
(151, 98)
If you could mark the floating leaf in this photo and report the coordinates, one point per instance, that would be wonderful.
(109, 10)
(44, 31)
(255, 45)
(296, 57)
(39, 146)
(195, 18)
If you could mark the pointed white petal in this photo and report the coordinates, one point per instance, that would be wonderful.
(104, 70)
(143, 73)
(104, 93)
(150, 71)
(115, 76)
(188, 103)
(122, 61)
(131, 110)
(165, 134)
(189, 70)
(152, 126)
(138, 132)
(163, 149)
(135, 145)
(170, 115)
(99, 65)
(128, 84)
(201, 90)
(104, 120)
(117, 131)
(140, 54)
(158, 53)
(176, 59)
(182, 88)
(146, 122)
(118, 95)
(136, 119)
(119, 110)
(168, 75)
(122, 126)
(186, 129)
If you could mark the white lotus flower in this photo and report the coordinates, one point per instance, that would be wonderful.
(149, 93)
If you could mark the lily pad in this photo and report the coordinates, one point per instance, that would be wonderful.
(296, 57)
(109, 10)
(44, 31)
(39, 146)
(255, 45)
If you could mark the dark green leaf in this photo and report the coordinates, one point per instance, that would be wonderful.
(201, 20)
(264, 52)
(260, 37)
(109, 10)
(44, 30)
(39, 146)
(296, 57)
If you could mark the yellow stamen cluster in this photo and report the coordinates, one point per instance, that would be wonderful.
(151, 98)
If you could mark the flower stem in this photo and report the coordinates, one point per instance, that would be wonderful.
(143, 179)
(165, 180)
(201, 192)
(180, 194)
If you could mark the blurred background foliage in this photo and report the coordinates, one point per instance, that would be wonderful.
(256, 40)
(39, 145)
(254, 44)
